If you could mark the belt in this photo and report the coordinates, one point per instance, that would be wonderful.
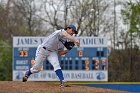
(46, 49)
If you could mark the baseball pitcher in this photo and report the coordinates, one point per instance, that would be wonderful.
(50, 48)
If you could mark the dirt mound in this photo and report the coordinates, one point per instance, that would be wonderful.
(48, 87)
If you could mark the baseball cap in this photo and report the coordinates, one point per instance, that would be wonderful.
(73, 28)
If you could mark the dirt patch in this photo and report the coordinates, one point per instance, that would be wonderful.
(48, 87)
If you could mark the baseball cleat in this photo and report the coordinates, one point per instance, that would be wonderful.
(64, 85)
(24, 79)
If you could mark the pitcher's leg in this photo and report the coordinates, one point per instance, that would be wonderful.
(38, 63)
(40, 57)
(53, 59)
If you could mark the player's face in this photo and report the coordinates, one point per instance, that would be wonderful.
(70, 31)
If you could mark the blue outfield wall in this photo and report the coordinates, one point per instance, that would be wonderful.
(124, 87)
(132, 87)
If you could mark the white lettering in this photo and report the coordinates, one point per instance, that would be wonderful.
(22, 67)
(22, 62)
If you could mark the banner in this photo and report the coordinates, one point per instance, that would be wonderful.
(35, 41)
(68, 75)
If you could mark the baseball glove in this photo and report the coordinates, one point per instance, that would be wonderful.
(69, 45)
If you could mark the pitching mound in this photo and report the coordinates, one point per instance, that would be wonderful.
(48, 87)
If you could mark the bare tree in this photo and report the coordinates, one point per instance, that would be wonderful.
(52, 14)
(4, 19)
(26, 10)
(88, 15)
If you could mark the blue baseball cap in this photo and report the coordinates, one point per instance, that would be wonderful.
(73, 28)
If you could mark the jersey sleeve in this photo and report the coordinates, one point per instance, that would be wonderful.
(61, 33)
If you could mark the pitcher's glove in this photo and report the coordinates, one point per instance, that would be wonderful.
(69, 45)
